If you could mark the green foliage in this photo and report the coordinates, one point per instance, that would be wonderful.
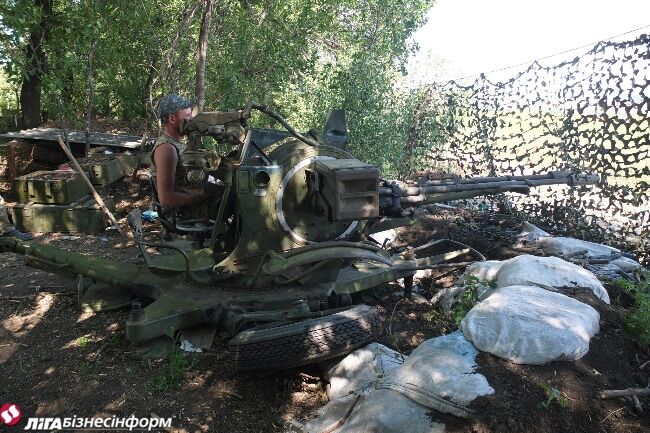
(7, 93)
(299, 57)
(553, 395)
(82, 341)
(468, 298)
(169, 379)
(430, 315)
(638, 320)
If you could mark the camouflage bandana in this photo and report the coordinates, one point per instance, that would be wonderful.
(171, 103)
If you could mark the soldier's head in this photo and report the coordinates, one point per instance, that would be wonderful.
(173, 109)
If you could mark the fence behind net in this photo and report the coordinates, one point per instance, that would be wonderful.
(589, 114)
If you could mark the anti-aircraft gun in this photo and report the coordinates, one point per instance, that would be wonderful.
(288, 249)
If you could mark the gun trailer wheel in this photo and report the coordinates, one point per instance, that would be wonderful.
(306, 341)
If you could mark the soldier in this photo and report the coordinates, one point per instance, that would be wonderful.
(172, 110)
(7, 229)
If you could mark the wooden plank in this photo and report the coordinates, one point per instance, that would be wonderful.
(95, 138)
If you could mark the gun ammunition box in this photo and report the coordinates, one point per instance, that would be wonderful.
(53, 187)
(82, 216)
(130, 162)
(102, 170)
(349, 187)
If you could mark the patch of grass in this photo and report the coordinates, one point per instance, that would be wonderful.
(88, 368)
(553, 395)
(169, 379)
(83, 341)
(638, 319)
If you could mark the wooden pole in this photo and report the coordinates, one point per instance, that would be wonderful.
(98, 199)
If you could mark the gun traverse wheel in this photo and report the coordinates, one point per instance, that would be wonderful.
(306, 341)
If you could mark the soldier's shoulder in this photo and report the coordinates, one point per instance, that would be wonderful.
(164, 138)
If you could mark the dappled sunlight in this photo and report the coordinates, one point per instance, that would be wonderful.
(7, 351)
(560, 323)
(46, 379)
(414, 339)
(531, 325)
(51, 407)
(224, 389)
(129, 243)
(18, 325)
(116, 404)
(201, 380)
(82, 341)
(83, 316)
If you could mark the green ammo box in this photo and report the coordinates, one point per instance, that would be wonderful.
(349, 187)
(53, 187)
(102, 169)
(82, 216)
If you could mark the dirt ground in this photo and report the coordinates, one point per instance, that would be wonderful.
(58, 361)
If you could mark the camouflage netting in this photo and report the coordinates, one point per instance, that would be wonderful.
(589, 114)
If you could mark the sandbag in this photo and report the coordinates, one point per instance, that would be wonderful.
(360, 371)
(551, 273)
(531, 325)
(485, 271)
(444, 366)
(398, 394)
(382, 411)
(564, 247)
(561, 246)
(626, 264)
(531, 232)
(383, 392)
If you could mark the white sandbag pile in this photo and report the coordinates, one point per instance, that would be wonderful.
(603, 260)
(531, 325)
(551, 273)
(379, 393)
(522, 319)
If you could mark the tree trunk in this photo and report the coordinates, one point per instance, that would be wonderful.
(89, 107)
(202, 53)
(30, 100)
(30, 91)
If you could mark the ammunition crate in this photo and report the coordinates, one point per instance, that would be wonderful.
(53, 187)
(102, 170)
(350, 188)
(82, 216)
(128, 162)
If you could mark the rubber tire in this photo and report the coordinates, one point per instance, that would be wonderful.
(306, 341)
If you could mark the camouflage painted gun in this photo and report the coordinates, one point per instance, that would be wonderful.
(288, 253)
